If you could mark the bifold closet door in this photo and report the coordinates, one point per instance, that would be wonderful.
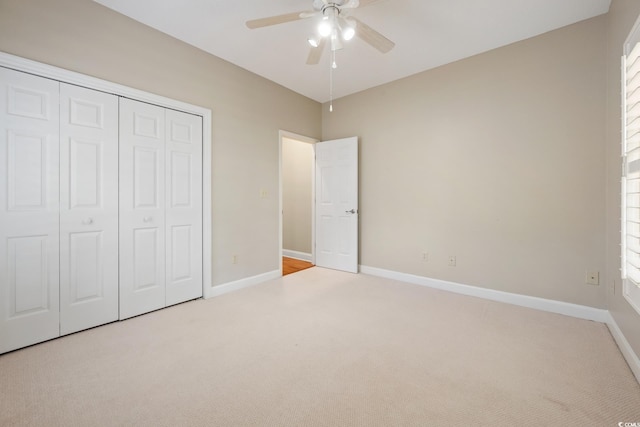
(88, 208)
(29, 211)
(142, 222)
(160, 207)
(184, 206)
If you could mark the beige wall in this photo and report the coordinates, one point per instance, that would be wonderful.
(497, 159)
(248, 111)
(621, 17)
(297, 169)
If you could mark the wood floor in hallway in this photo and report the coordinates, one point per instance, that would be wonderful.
(292, 265)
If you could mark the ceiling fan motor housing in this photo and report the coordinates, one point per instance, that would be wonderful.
(323, 4)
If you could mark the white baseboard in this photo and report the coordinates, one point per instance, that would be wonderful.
(630, 356)
(297, 255)
(559, 307)
(225, 288)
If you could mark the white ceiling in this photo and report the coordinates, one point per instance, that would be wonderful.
(427, 33)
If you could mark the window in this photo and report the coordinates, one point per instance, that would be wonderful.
(631, 168)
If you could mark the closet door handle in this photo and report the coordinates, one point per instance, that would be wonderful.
(147, 219)
(87, 221)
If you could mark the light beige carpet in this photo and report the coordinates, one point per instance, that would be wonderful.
(324, 348)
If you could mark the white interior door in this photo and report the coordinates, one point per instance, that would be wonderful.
(184, 206)
(142, 218)
(29, 211)
(337, 204)
(88, 208)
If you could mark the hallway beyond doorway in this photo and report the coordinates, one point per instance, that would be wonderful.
(292, 265)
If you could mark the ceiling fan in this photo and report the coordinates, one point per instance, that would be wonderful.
(335, 25)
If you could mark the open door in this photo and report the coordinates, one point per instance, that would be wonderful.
(337, 204)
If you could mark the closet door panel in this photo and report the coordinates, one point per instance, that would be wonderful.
(142, 200)
(88, 208)
(184, 206)
(29, 231)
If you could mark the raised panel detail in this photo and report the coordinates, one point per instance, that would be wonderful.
(326, 196)
(324, 156)
(85, 266)
(26, 170)
(28, 284)
(344, 177)
(28, 103)
(342, 234)
(324, 242)
(85, 174)
(181, 252)
(146, 126)
(180, 179)
(181, 132)
(145, 177)
(145, 252)
(86, 113)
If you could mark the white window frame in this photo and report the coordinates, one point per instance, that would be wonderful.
(630, 287)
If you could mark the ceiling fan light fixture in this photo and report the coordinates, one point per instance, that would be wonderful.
(325, 28)
(336, 43)
(347, 29)
(348, 33)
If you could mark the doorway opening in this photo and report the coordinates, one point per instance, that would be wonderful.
(297, 194)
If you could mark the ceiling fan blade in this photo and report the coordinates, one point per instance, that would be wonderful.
(367, 2)
(278, 19)
(316, 53)
(372, 37)
(351, 4)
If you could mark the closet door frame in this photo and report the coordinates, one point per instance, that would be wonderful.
(26, 65)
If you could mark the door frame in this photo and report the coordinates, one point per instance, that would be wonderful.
(282, 134)
(66, 76)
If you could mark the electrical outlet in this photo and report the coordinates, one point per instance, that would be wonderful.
(264, 193)
(234, 259)
(593, 278)
(425, 256)
(452, 260)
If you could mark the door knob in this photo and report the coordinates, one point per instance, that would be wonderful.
(87, 221)
(352, 211)
(147, 219)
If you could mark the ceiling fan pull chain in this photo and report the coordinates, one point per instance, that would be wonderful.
(332, 64)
